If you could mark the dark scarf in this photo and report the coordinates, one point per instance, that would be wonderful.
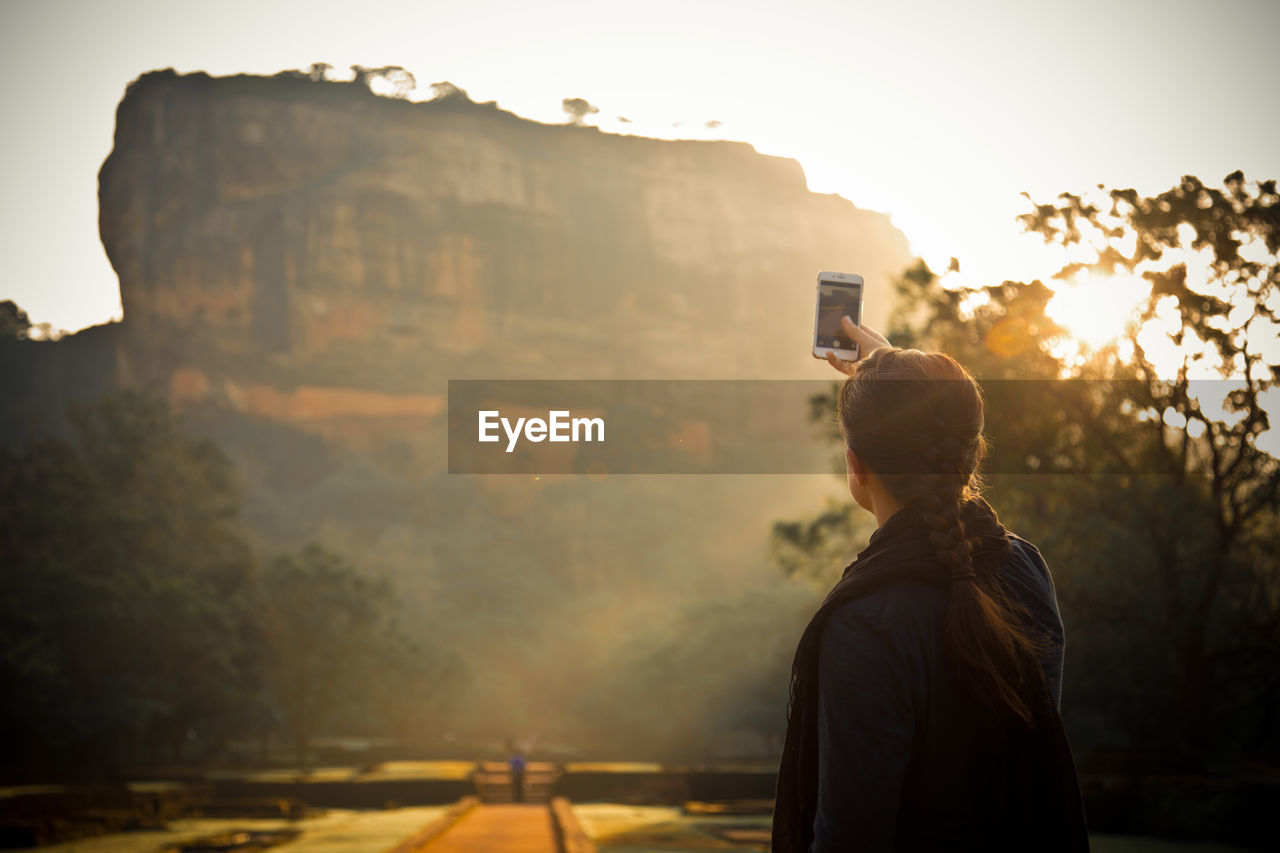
(900, 550)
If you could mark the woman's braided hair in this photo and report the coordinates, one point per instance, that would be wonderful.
(915, 419)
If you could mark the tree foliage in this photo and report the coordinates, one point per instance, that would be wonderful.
(14, 322)
(817, 549)
(446, 91)
(1193, 498)
(135, 626)
(127, 615)
(578, 109)
(401, 81)
(336, 648)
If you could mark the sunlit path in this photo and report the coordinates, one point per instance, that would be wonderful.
(501, 828)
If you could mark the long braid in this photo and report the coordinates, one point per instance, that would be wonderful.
(941, 499)
(981, 635)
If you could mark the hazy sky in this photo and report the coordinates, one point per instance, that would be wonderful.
(939, 113)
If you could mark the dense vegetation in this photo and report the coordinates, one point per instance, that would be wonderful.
(136, 625)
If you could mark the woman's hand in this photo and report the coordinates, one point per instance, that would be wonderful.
(865, 337)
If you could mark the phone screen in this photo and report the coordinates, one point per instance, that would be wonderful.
(834, 301)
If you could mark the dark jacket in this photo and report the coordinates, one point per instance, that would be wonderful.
(886, 750)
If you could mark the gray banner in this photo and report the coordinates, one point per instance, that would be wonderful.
(739, 426)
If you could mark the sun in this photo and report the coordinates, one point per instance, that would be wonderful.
(1096, 310)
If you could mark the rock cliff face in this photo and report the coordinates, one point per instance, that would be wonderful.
(304, 265)
(313, 234)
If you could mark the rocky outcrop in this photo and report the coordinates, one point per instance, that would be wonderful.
(306, 233)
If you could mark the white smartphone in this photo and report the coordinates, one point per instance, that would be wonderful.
(839, 293)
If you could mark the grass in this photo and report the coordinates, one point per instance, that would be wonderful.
(619, 828)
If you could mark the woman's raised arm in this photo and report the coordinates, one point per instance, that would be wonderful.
(867, 339)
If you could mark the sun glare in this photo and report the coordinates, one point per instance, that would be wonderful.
(1097, 309)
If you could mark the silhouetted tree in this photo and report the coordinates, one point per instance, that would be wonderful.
(578, 109)
(1210, 519)
(401, 80)
(337, 647)
(14, 322)
(818, 548)
(134, 627)
(446, 91)
(126, 625)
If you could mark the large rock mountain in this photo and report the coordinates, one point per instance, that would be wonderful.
(303, 265)
(313, 234)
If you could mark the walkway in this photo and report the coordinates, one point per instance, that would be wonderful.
(502, 828)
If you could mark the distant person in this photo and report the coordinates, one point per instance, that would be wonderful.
(924, 693)
(517, 777)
